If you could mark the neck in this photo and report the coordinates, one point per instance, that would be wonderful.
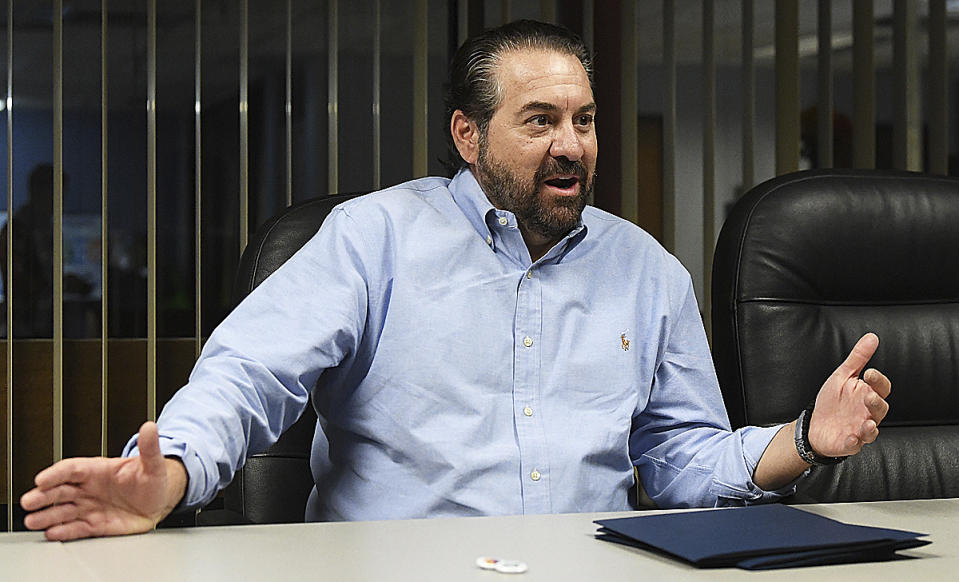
(537, 244)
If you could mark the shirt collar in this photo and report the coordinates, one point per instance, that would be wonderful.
(475, 205)
(471, 200)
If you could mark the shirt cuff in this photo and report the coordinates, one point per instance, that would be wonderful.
(755, 442)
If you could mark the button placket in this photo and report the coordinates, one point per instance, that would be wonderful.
(530, 433)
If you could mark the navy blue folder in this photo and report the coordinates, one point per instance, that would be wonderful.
(757, 537)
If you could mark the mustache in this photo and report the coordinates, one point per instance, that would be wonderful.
(561, 166)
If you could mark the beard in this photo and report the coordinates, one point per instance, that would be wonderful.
(550, 217)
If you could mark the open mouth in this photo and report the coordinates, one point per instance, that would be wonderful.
(562, 183)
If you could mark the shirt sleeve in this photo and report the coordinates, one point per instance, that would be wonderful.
(254, 376)
(681, 441)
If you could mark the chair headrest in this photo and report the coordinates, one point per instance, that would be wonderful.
(808, 262)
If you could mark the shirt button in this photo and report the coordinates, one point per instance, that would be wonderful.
(489, 240)
(535, 475)
(529, 274)
(503, 220)
(527, 341)
(528, 411)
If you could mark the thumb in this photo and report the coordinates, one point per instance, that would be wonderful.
(148, 441)
(859, 356)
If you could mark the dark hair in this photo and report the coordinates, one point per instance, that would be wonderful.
(473, 87)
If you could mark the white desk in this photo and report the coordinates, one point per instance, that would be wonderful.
(556, 547)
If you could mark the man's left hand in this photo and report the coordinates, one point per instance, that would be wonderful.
(849, 408)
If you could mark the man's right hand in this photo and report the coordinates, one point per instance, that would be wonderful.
(89, 497)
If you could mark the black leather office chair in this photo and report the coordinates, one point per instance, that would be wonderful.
(808, 262)
(273, 485)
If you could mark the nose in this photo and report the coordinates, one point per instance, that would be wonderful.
(567, 143)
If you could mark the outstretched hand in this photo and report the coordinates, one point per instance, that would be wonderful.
(849, 408)
(88, 497)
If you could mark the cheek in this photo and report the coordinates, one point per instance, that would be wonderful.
(592, 149)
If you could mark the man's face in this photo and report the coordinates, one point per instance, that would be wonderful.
(538, 154)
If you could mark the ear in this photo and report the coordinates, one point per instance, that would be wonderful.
(465, 136)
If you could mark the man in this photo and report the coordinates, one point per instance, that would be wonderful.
(483, 345)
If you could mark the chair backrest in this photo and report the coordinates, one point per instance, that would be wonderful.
(808, 262)
(273, 486)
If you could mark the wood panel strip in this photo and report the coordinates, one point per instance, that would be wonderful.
(57, 404)
(669, 125)
(787, 86)
(749, 95)
(864, 86)
(332, 99)
(104, 229)
(938, 76)
(151, 354)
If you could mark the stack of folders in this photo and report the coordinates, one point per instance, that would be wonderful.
(758, 537)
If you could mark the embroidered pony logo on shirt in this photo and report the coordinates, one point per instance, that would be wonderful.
(623, 337)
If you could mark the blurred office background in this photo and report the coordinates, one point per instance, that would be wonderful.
(144, 140)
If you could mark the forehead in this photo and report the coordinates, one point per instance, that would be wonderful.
(542, 75)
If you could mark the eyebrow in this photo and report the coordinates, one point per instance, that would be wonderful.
(545, 106)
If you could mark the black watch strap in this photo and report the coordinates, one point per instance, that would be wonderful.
(804, 448)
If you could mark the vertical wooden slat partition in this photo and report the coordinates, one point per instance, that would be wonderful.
(669, 125)
(629, 102)
(462, 20)
(787, 86)
(709, 155)
(57, 230)
(333, 164)
(938, 80)
(824, 86)
(420, 88)
(104, 232)
(8, 284)
(151, 188)
(377, 92)
(547, 10)
(288, 103)
(588, 23)
(197, 178)
(749, 94)
(907, 129)
(244, 115)
(864, 86)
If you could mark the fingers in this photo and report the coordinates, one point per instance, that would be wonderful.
(40, 498)
(878, 382)
(859, 356)
(868, 432)
(72, 530)
(33, 499)
(876, 406)
(52, 516)
(66, 471)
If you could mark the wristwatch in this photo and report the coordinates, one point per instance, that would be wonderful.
(803, 447)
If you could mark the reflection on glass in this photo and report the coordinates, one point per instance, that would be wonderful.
(32, 238)
(32, 227)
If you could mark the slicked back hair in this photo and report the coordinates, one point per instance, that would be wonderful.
(473, 85)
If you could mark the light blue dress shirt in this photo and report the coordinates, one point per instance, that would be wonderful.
(454, 377)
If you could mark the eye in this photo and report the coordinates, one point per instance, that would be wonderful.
(585, 119)
(538, 120)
